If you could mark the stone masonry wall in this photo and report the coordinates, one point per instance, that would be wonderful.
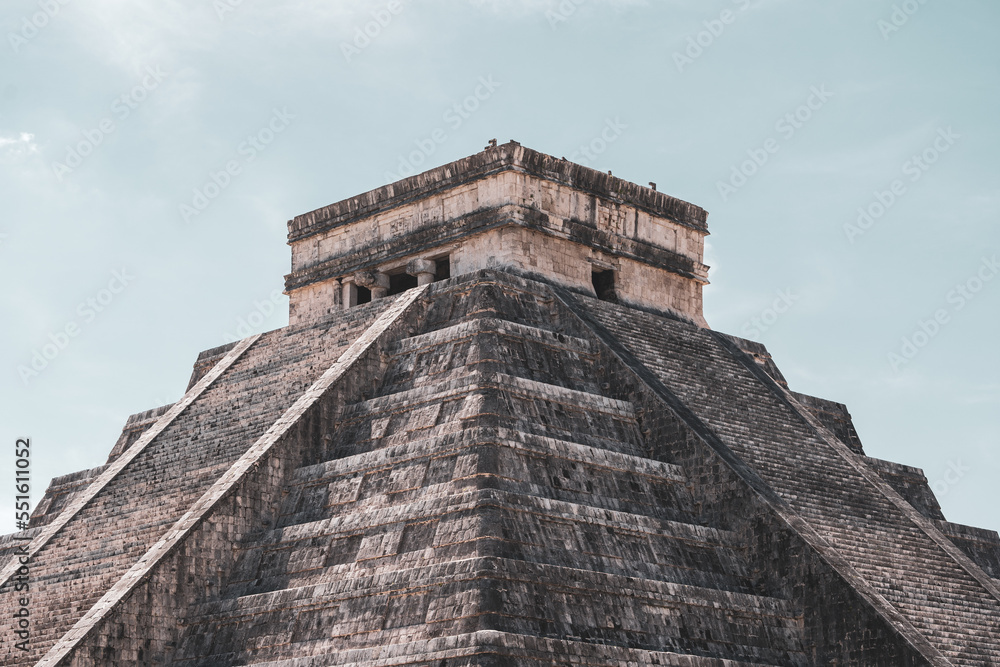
(573, 214)
(571, 264)
(886, 550)
(839, 626)
(495, 472)
(145, 627)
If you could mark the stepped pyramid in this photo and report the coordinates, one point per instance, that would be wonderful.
(497, 431)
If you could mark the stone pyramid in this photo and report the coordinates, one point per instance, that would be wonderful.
(497, 431)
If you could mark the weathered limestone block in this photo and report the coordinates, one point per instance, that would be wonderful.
(423, 269)
(376, 281)
(515, 209)
(349, 292)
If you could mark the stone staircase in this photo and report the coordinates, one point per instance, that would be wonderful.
(516, 474)
(492, 503)
(79, 562)
(821, 482)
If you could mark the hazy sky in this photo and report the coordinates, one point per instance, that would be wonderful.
(846, 153)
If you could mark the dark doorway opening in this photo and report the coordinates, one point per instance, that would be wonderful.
(364, 295)
(443, 269)
(401, 282)
(604, 285)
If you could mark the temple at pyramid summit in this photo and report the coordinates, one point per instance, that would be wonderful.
(497, 431)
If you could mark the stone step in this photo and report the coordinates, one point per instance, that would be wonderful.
(60, 493)
(556, 341)
(526, 462)
(647, 614)
(475, 380)
(492, 345)
(544, 409)
(514, 651)
(443, 501)
(489, 521)
(404, 449)
(702, 574)
(153, 490)
(818, 480)
(489, 647)
(515, 301)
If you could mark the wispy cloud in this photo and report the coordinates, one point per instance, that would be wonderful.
(984, 394)
(17, 145)
(131, 33)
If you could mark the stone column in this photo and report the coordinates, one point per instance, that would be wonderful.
(376, 281)
(338, 295)
(423, 269)
(349, 292)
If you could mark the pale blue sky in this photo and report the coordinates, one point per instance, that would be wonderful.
(114, 112)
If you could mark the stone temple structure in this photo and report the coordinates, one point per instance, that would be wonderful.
(497, 431)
